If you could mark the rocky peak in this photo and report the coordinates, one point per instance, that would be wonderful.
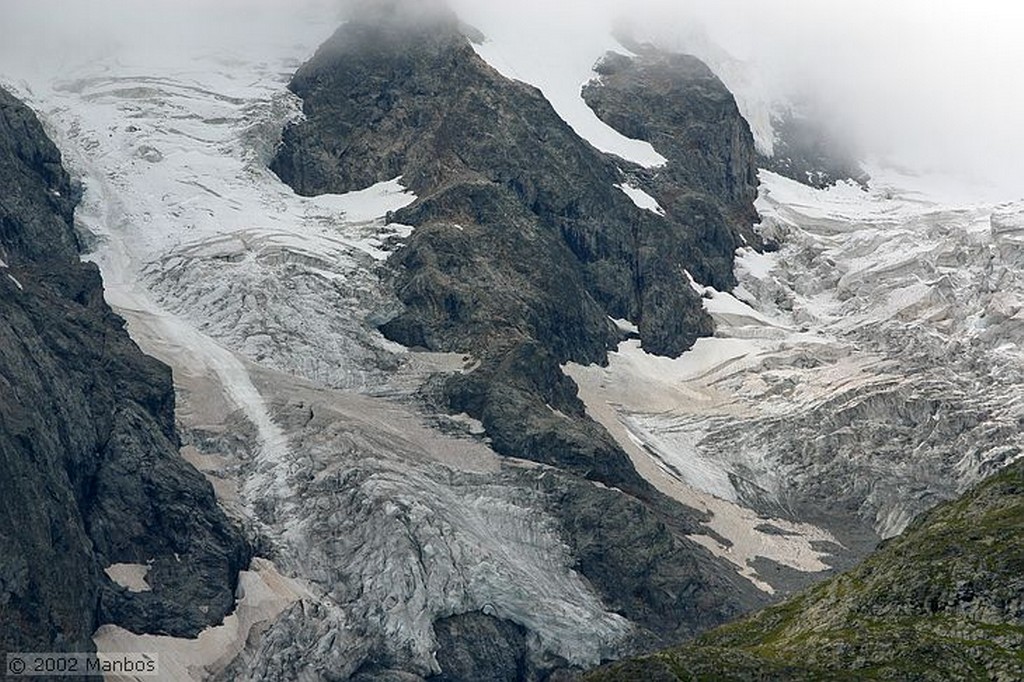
(676, 103)
(525, 245)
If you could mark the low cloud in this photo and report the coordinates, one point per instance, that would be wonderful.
(932, 85)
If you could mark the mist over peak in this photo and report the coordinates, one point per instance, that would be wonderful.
(920, 85)
(925, 86)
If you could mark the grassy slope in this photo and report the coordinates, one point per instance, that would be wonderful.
(943, 601)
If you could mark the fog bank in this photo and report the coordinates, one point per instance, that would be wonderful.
(930, 85)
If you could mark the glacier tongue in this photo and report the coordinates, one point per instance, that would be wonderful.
(263, 303)
(865, 371)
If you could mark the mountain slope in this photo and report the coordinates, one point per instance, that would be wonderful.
(940, 602)
(413, 549)
(92, 476)
(397, 523)
(525, 244)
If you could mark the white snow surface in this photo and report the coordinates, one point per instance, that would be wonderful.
(641, 199)
(557, 55)
(625, 326)
(263, 303)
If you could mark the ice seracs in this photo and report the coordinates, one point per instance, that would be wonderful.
(868, 363)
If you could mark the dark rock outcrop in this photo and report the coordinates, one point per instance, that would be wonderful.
(475, 646)
(383, 100)
(943, 601)
(709, 184)
(91, 475)
(523, 249)
(806, 151)
(637, 557)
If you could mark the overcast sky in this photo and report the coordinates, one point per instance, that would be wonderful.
(936, 85)
(933, 84)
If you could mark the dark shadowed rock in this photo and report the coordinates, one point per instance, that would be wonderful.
(637, 557)
(807, 151)
(475, 646)
(88, 449)
(523, 249)
(709, 184)
(521, 236)
(383, 100)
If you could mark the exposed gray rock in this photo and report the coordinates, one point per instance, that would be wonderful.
(88, 449)
(523, 249)
(635, 556)
(383, 100)
(806, 151)
(709, 184)
(476, 646)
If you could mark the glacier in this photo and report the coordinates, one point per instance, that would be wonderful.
(869, 368)
(264, 304)
(861, 373)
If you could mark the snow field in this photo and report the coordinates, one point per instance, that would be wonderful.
(263, 303)
(875, 354)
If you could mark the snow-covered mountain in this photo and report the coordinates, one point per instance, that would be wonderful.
(858, 373)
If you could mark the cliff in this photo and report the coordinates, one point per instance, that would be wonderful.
(88, 448)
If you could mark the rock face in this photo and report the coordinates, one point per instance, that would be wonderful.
(634, 556)
(88, 447)
(525, 244)
(383, 100)
(940, 602)
(808, 153)
(677, 104)
(475, 646)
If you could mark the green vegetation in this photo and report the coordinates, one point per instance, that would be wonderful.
(943, 601)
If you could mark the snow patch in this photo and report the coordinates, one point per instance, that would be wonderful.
(641, 199)
(130, 576)
(625, 326)
(656, 408)
(371, 203)
(753, 265)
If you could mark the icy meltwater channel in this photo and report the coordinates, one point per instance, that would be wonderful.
(263, 303)
(869, 369)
